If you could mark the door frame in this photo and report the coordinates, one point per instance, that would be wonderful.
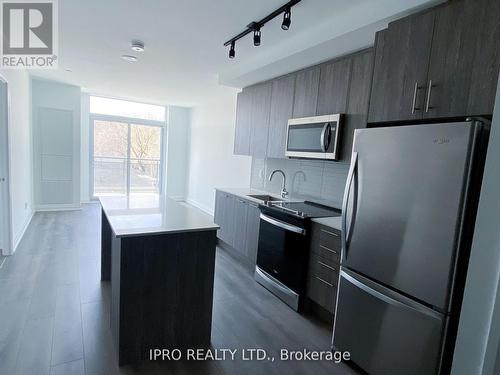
(5, 167)
(128, 121)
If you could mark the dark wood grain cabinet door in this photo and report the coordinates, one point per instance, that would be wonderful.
(400, 73)
(259, 117)
(358, 100)
(226, 218)
(243, 129)
(306, 92)
(220, 214)
(334, 87)
(282, 95)
(323, 272)
(252, 235)
(465, 59)
(240, 226)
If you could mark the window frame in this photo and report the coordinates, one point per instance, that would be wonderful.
(129, 121)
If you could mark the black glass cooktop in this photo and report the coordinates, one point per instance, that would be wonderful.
(304, 209)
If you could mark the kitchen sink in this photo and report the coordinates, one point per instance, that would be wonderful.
(265, 198)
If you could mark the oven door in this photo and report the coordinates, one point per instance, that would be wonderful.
(283, 252)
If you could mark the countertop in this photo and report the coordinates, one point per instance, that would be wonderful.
(245, 193)
(334, 222)
(140, 215)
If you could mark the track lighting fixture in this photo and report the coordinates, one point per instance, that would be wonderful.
(256, 26)
(287, 19)
(231, 50)
(256, 37)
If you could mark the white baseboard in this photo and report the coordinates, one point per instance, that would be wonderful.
(178, 198)
(90, 202)
(202, 207)
(20, 235)
(58, 207)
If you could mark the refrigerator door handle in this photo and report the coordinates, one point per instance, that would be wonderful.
(344, 235)
(407, 305)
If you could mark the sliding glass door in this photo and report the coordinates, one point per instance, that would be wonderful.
(126, 157)
(126, 147)
(110, 157)
(145, 158)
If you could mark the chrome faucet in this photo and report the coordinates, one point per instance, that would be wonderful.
(284, 193)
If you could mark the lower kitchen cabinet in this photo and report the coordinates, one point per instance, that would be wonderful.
(252, 233)
(240, 226)
(239, 221)
(324, 264)
(224, 216)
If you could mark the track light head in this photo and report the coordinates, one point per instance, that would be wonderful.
(255, 26)
(287, 19)
(256, 37)
(231, 51)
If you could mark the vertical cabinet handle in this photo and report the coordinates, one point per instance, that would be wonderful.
(414, 102)
(428, 99)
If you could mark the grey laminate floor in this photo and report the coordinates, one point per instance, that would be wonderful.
(54, 312)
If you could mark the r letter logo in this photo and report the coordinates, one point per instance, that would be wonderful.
(29, 34)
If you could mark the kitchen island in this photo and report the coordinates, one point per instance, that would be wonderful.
(159, 256)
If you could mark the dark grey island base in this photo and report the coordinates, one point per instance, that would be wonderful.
(161, 286)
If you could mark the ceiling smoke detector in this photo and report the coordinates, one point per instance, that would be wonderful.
(129, 58)
(137, 46)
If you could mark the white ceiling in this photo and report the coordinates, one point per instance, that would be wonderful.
(185, 58)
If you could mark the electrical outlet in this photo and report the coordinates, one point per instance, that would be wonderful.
(25, 205)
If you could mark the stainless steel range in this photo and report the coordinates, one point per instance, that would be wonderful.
(283, 253)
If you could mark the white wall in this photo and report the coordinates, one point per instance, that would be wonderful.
(21, 184)
(479, 330)
(211, 160)
(56, 145)
(85, 149)
(177, 156)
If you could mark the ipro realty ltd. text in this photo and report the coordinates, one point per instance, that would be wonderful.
(249, 354)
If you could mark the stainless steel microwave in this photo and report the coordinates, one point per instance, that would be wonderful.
(314, 137)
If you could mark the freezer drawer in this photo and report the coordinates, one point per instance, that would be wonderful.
(386, 333)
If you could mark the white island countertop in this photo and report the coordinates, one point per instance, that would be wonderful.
(148, 214)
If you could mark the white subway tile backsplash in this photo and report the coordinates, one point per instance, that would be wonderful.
(316, 180)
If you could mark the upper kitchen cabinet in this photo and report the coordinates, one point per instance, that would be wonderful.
(339, 86)
(252, 120)
(440, 63)
(259, 118)
(281, 111)
(306, 92)
(358, 99)
(400, 73)
(243, 127)
(333, 87)
(465, 59)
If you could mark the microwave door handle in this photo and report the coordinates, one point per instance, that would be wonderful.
(324, 140)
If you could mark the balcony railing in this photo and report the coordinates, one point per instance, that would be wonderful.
(111, 175)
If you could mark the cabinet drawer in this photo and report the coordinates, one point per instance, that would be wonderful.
(325, 272)
(329, 239)
(322, 293)
(319, 267)
(329, 256)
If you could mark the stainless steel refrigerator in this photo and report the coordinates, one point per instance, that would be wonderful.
(408, 216)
